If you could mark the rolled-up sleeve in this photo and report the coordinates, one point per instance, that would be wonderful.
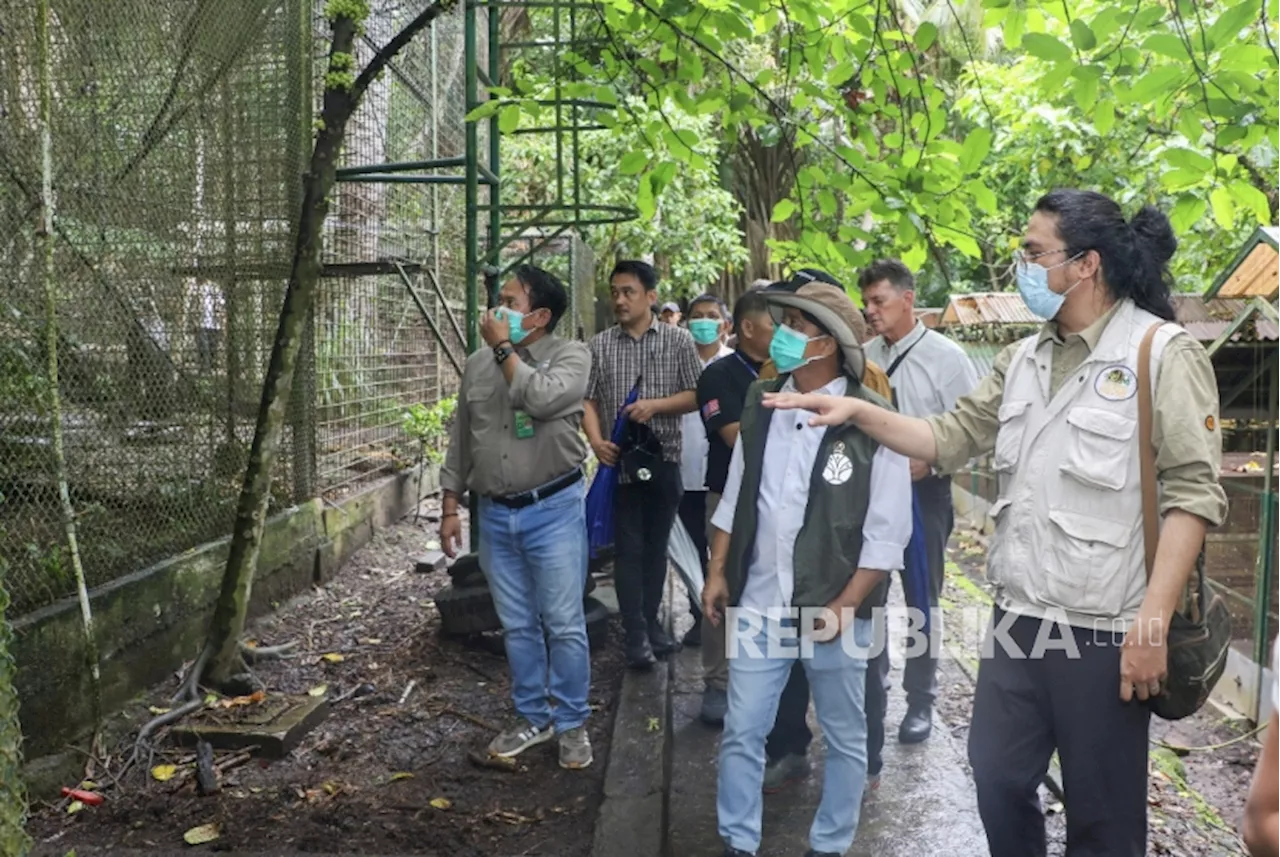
(1186, 432)
(723, 518)
(887, 526)
(548, 393)
(456, 469)
(969, 429)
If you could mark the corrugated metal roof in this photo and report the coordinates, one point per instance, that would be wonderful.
(987, 308)
(1203, 319)
(983, 355)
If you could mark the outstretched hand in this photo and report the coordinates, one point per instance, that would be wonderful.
(827, 410)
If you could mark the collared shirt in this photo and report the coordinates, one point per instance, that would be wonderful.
(694, 443)
(1188, 451)
(665, 360)
(485, 454)
(932, 375)
(790, 452)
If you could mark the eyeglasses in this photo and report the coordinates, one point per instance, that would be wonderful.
(1022, 257)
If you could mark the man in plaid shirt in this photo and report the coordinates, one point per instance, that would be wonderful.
(665, 360)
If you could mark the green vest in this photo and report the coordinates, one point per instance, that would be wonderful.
(830, 540)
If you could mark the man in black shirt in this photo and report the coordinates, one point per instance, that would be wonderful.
(722, 391)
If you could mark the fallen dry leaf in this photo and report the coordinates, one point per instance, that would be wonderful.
(318, 690)
(157, 710)
(74, 807)
(331, 788)
(441, 802)
(202, 834)
(88, 785)
(332, 657)
(400, 775)
(370, 641)
(253, 698)
(164, 773)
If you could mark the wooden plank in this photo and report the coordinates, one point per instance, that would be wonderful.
(1261, 262)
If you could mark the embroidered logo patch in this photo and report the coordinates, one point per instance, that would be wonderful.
(1116, 383)
(1210, 423)
(838, 468)
(710, 409)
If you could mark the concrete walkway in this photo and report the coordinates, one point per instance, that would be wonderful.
(925, 803)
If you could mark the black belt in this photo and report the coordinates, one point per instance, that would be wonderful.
(542, 492)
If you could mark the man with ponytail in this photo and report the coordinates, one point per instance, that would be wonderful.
(1078, 639)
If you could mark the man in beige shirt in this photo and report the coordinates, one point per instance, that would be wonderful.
(515, 443)
(1078, 640)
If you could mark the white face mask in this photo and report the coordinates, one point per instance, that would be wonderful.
(1033, 285)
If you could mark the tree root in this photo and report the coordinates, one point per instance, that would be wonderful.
(253, 655)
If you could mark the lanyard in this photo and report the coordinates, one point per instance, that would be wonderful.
(755, 373)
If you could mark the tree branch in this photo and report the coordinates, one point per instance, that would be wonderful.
(397, 44)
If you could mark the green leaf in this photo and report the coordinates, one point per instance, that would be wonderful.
(1082, 37)
(1187, 212)
(484, 111)
(1104, 117)
(976, 147)
(1188, 160)
(1046, 47)
(926, 35)
(1086, 93)
(783, 211)
(606, 95)
(827, 202)
(633, 162)
(1181, 178)
(982, 195)
(1165, 44)
(509, 118)
(1252, 199)
(645, 203)
(1156, 83)
(1015, 28)
(995, 4)
(1229, 24)
(1189, 126)
(1224, 208)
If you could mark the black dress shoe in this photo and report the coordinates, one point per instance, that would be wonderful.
(661, 641)
(917, 725)
(638, 651)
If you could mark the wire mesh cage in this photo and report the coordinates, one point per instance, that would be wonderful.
(179, 136)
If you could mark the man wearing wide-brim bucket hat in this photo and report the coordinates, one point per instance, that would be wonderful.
(809, 519)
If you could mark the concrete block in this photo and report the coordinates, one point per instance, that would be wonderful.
(274, 726)
(640, 731)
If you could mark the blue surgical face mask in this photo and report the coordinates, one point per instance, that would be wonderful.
(1033, 285)
(705, 330)
(515, 324)
(787, 349)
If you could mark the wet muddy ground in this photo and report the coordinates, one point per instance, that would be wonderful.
(385, 772)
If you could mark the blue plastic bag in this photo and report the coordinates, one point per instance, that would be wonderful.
(604, 486)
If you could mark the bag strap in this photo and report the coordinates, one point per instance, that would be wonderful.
(1147, 450)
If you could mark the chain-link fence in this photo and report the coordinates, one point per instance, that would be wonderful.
(179, 135)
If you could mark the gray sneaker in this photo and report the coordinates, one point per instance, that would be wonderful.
(715, 705)
(787, 771)
(575, 749)
(518, 737)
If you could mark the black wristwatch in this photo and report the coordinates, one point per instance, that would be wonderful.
(502, 351)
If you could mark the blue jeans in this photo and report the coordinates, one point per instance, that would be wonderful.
(838, 680)
(535, 559)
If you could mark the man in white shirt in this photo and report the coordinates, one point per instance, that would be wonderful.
(708, 322)
(810, 519)
(929, 372)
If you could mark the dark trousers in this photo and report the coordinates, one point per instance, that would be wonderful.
(1024, 709)
(643, 513)
(693, 514)
(791, 734)
(920, 676)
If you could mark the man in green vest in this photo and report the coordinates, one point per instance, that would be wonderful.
(809, 526)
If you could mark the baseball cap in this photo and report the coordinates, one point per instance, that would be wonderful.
(833, 310)
(670, 306)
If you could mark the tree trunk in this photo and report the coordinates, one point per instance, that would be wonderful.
(341, 97)
(13, 798)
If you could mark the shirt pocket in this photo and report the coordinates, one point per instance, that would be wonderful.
(1013, 427)
(480, 411)
(1086, 561)
(1101, 441)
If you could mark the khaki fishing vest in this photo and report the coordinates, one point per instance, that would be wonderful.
(1069, 512)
